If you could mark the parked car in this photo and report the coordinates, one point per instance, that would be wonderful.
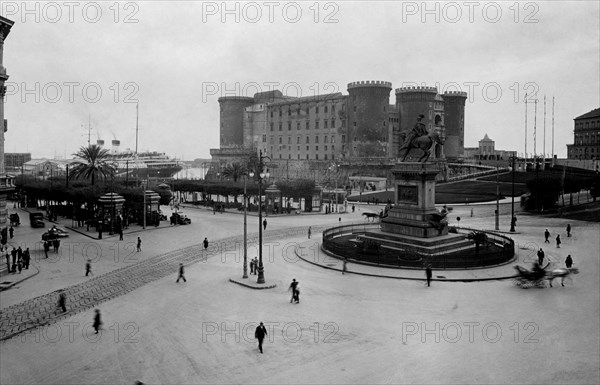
(180, 219)
(55, 233)
(36, 220)
(14, 219)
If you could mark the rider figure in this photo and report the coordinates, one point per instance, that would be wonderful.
(418, 129)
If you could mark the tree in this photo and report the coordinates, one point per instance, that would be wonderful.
(479, 237)
(94, 162)
(234, 171)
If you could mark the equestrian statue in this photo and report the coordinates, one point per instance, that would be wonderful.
(419, 138)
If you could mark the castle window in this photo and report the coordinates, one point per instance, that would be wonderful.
(383, 108)
(280, 126)
(316, 148)
(290, 111)
(325, 156)
(325, 147)
(332, 156)
(332, 148)
(325, 109)
(297, 125)
(355, 124)
(280, 111)
(289, 140)
(298, 156)
(271, 126)
(316, 109)
(298, 140)
(343, 123)
(307, 125)
(279, 156)
(343, 138)
(316, 125)
(271, 140)
(316, 139)
(298, 148)
(289, 126)
(325, 124)
(306, 156)
(307, 148)
(333, 139)
(333, 123)
(289, 156)
(316, 156)
(264, 138)
(354, 108)
(307, 140)
(271, 113)
(326, 139)
(343, 147)
(280, 140)
(307, 111)
(333, 108)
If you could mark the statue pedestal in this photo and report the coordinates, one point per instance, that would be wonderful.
(414, 213)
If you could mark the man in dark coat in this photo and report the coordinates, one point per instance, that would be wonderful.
(546, 236)
(568, 230)
(181, 271)
(88, 267)
(13, 252)
(569, 261)
(11, 232)
(540, 255)
(558, 241)
(265, 224)
(428, 274)
(139, 244)
(260, 334)
(97, 321)
(292, 287)
(46, 248)
(62, 302)
(205, 242)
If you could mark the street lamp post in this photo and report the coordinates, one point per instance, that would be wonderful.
(260, 175)
(497, 201)
(512, 208)
(245, 275)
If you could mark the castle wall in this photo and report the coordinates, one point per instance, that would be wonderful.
(232, 120)
(454, 108)
(368, 120)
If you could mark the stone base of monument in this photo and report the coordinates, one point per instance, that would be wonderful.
(424, 247)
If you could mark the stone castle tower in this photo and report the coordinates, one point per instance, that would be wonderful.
(5, 183)
(232, 120)
(454, 112)
(367, 111)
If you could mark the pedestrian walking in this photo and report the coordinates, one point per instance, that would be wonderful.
(11, 231)
(252, 267)
(259, 334)
(353, 208)
(139, 244)
(568, 230)
(13, 253)
(344, 268)
(46, 248)
(546, 236)
(88, 267)
(7, 261)
(428, 274)
(19, 254)
(558, 242)
(292, 287)
(120, 233)
(540, 255)
(26, 258)
(340, 220)
(309, 231)
(205, 243)
(265, 224)
(569, 261)
(181, 276)
(62, 301)
(297, 295)
(97, 321)
(255, 265)
(55, 245)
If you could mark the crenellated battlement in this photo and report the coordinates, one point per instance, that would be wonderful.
(370, 83)
(461, 94)
(403, 90)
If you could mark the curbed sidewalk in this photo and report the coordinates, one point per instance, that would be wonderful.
(326, 261)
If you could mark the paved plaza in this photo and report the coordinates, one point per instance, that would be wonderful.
(372, 325)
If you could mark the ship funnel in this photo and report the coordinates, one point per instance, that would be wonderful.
(115, 146)
(100, 143)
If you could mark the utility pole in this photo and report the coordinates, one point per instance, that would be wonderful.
(497, 200)
(544, 143)
(553, 131)
(137, 113)
(525, 100)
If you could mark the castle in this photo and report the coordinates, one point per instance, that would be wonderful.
(337, 127)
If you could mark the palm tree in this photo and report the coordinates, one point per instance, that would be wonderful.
(94, 162)
(479, 237)
(234, 171)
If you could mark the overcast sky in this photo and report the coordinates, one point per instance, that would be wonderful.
(68, 62)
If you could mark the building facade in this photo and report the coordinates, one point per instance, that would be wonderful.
(487, 151)
(336, 127)
(586, 137)
(14, 160)
(6, 185)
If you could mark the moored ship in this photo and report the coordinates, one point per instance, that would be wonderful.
(147, 164)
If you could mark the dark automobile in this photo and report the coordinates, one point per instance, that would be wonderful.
(15, 220)
(54, 233)
(180, 219)
(36, 219)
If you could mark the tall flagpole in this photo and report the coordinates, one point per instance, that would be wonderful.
(553, 131)
(535, 129)
(525, 100)
(137, 113)
(544, 144)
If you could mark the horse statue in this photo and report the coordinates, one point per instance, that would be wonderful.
(423, 143)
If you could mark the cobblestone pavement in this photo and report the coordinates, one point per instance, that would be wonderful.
(43, 310)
